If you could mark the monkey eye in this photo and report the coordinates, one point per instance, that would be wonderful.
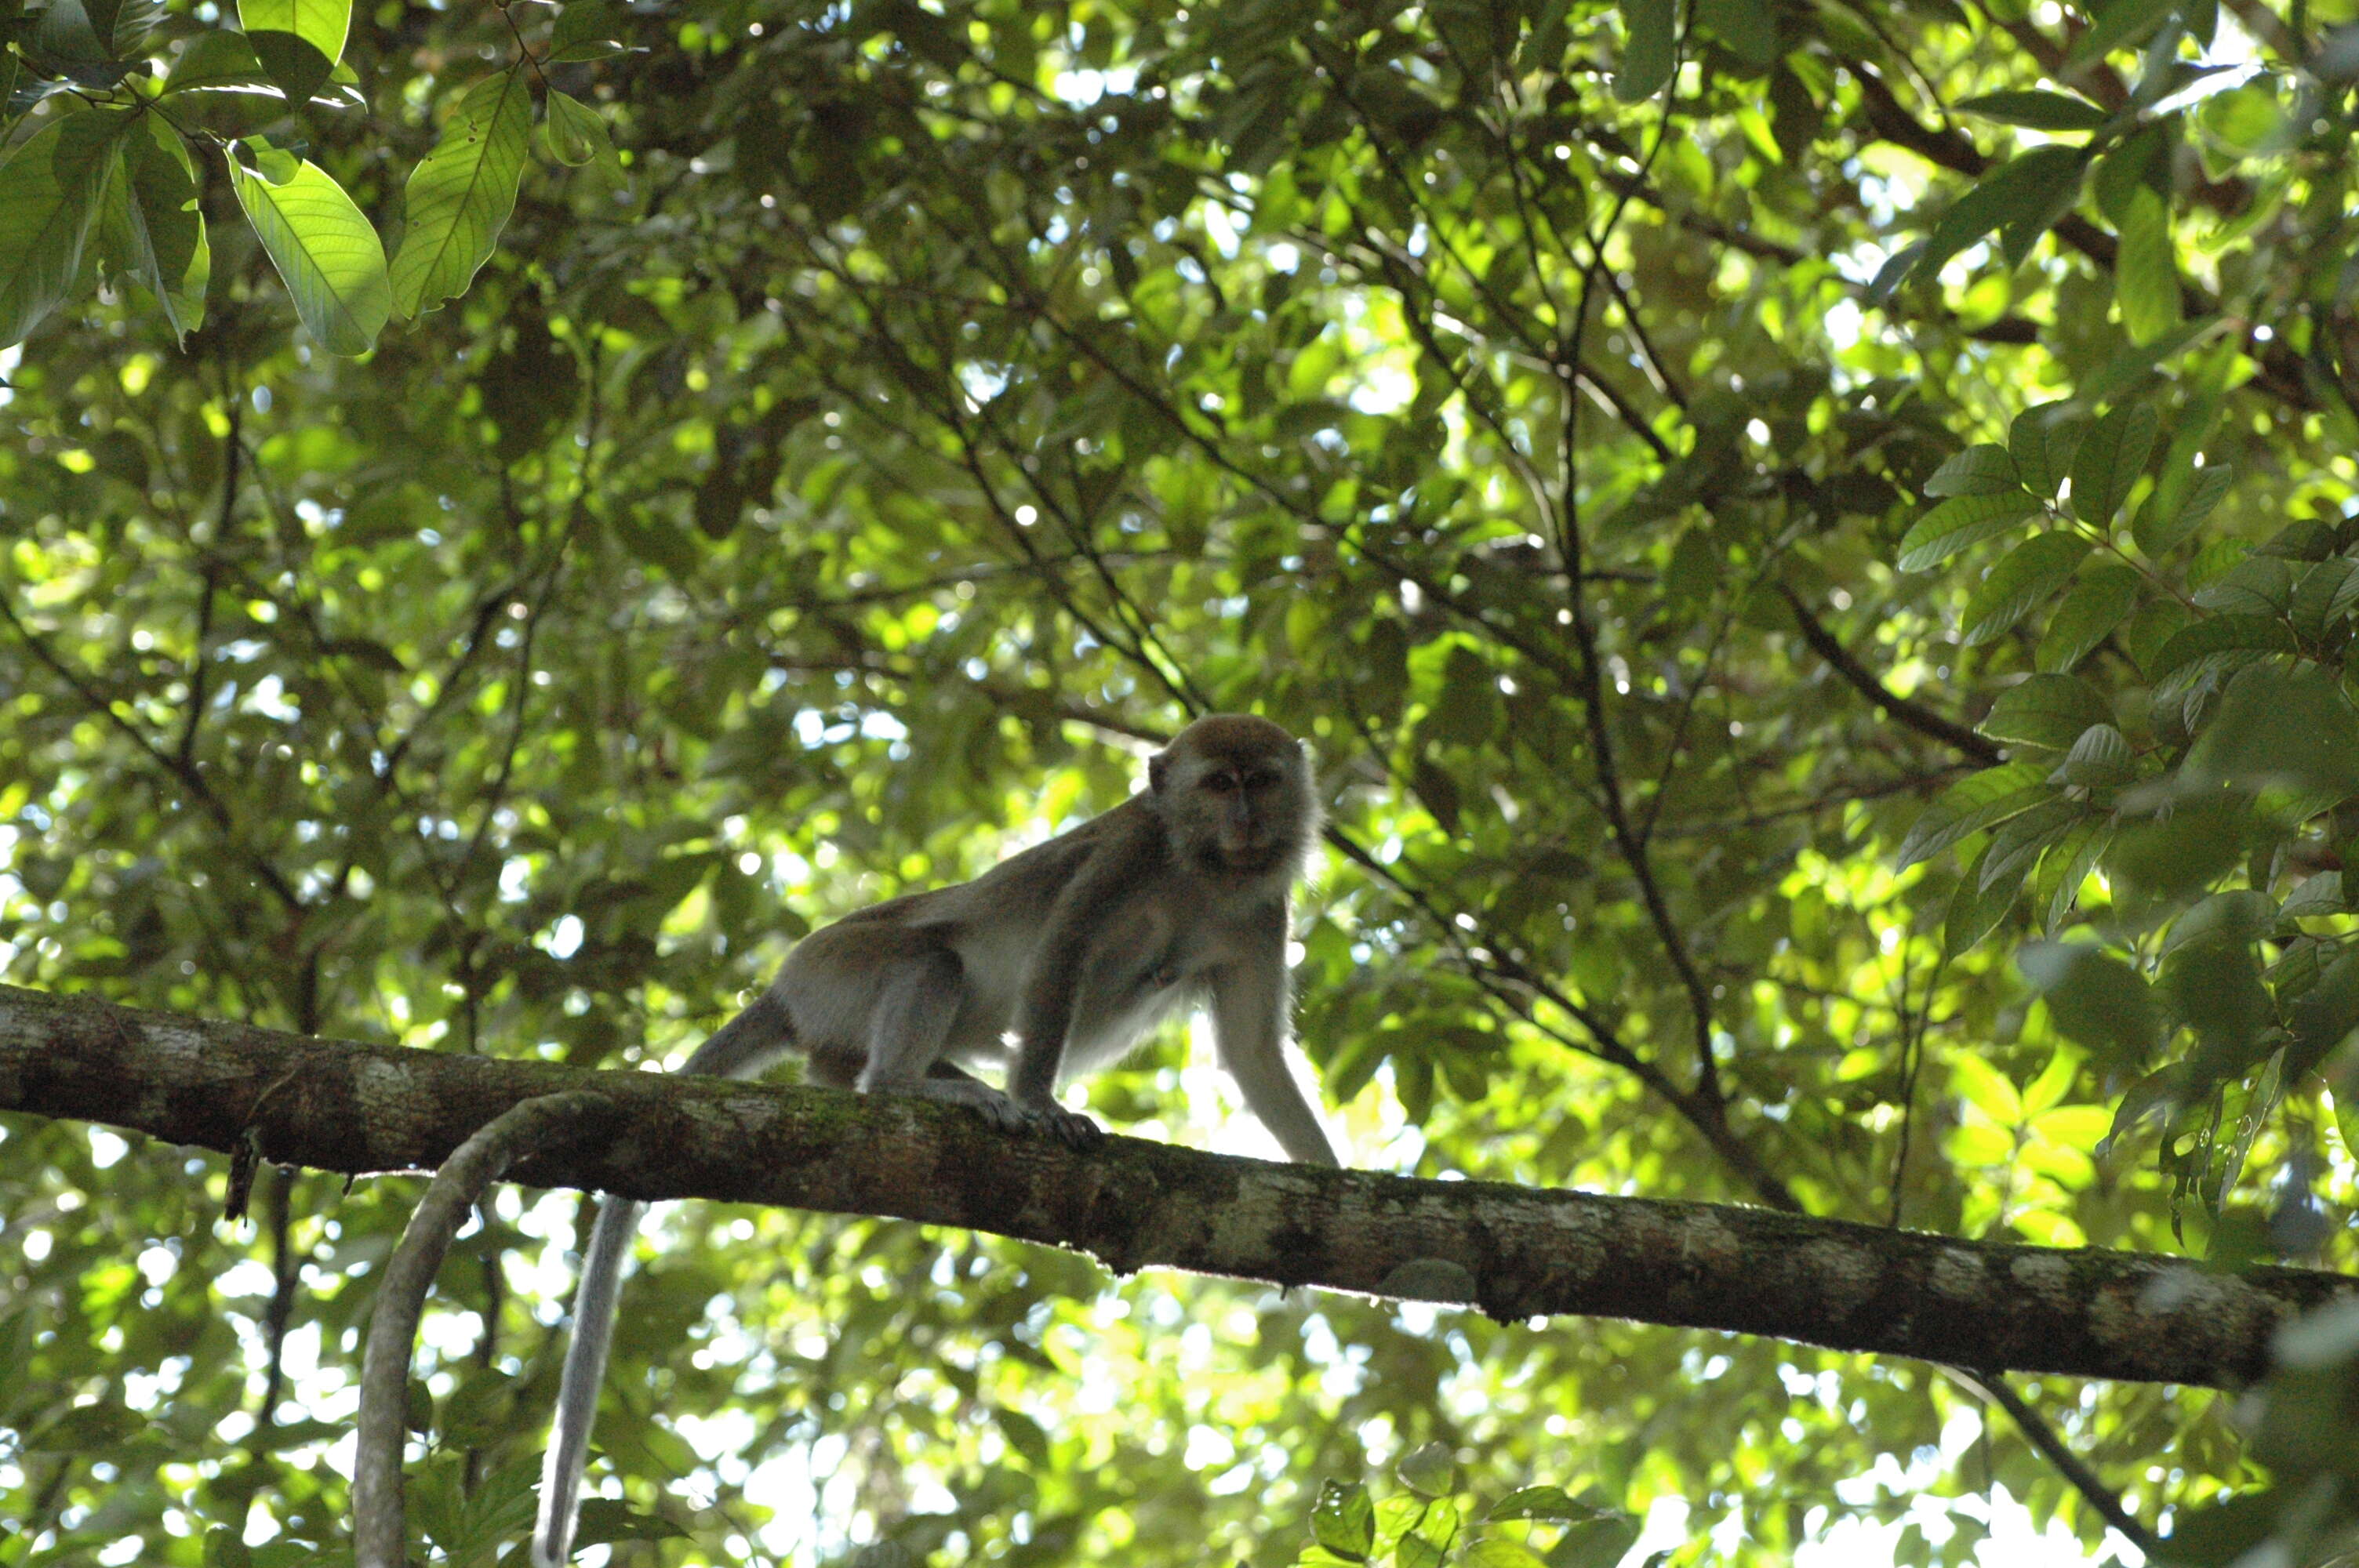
(1223, 783)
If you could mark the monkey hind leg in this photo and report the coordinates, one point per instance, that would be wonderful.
(910, 1030)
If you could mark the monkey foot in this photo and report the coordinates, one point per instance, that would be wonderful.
(1070, 1128)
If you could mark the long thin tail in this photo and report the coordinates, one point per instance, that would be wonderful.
(585, 1368)
(743, 1047)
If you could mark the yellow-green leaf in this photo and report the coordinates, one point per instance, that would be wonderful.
(2145, 273)
(575, 132)
(459, 199)
(331, 260)
(322, 24)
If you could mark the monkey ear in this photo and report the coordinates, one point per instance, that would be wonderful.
(1158, 769)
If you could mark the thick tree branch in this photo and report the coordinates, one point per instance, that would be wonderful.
(1515, 1252)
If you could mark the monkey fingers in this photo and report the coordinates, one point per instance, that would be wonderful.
(1070, 1128)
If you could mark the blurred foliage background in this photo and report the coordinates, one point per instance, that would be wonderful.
(1812, 542)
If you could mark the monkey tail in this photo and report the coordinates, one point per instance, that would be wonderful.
(585, 1368)
(741, 1048)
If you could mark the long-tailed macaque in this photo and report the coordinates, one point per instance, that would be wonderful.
(1054, 962)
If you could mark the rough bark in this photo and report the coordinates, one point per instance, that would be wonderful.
(1514, 1252)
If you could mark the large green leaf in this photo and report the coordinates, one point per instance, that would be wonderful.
(153, 207)
(322, 24)
(50, 190)
(217, 62)
(1972, 804)
(1976, 908)
(2100, 599)
(2111, 458)
(1961, 523)
(2289, 728)
(2023, 195)
(2159, 536)
(2217, 635)
(575, 132)
(1648, 47)
(2042, 441)
(331, 260)
(2101, 758)
(1983, 469)
(2056, 886)
(2023, 576)
(2094, 999)
(459, 199)
(2146, 270)
(2046, 710)
(2038, 110)
(298, 42)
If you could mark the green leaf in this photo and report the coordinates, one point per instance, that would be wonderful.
(2146, 270)
(575, 132)
(1985, 470)
(2065, 868)
(2110, 458)
(50, 189)
(1540, 1502)
(2323, 590)
(217, 62)
(2046, 710)
(2218, 634)
(322, 24)
(2015, 846)
(588, 30)
(331, 260)
(459, 199)
(2323, 1016)
(163, 244)
(2093, 998)
(1647, 50)
(1976, 908)
(2239, 914)
(2038, 110)
(1749, 28)
(2022, 578)
(2288, 728)
(2320, 894)
(1429, 1469)
(2158, 537)
(2123, 24)
(2258, 585)
(297, 42)
(2099, 600)
(1344, 1522)
(2023, 195)
(2043, 441)
(2126, 370)
(2101, 758)
(1961, 523)
(1974, 803)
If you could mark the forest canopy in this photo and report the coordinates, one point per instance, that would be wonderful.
(1815, 545)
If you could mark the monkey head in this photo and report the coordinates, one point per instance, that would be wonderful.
(1234, 792)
